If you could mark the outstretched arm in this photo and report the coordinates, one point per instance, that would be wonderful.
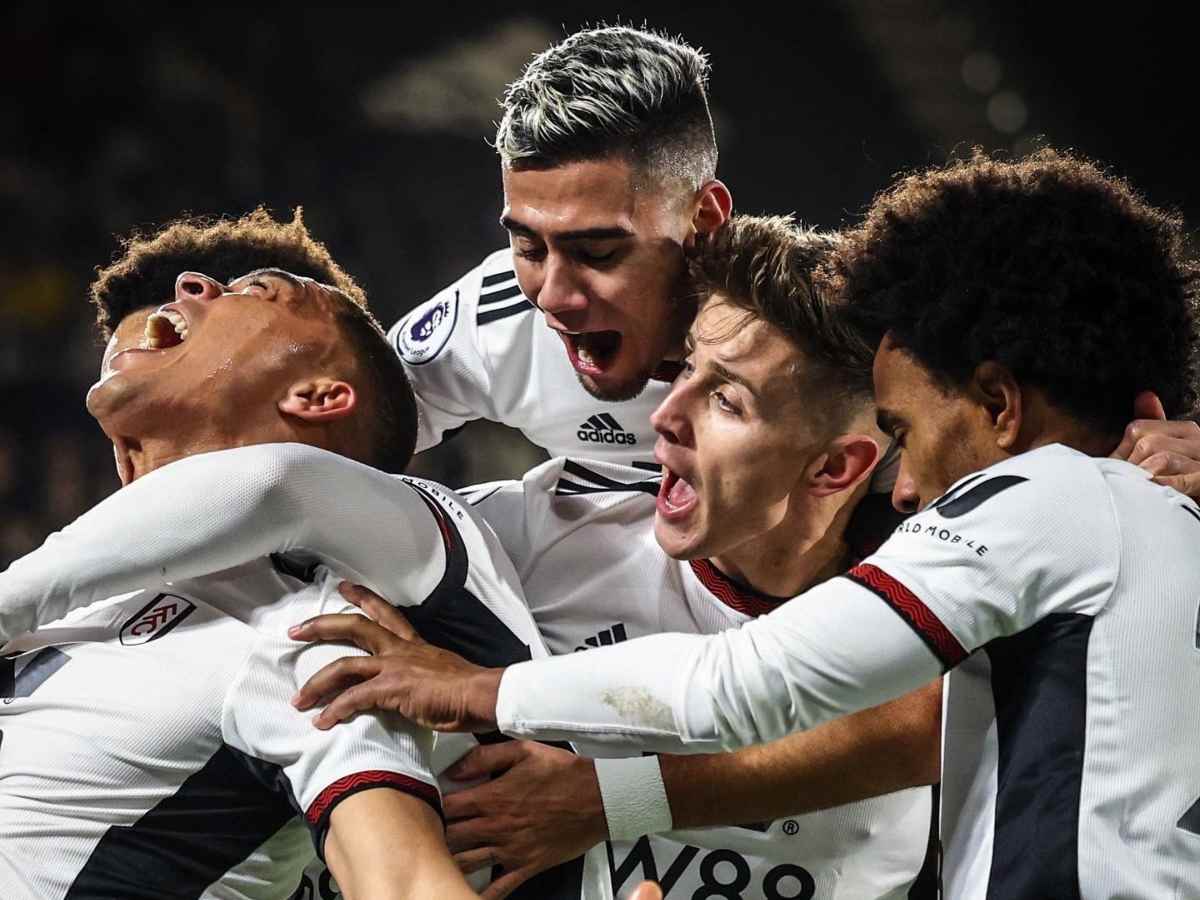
(840, 651)
(213, 511)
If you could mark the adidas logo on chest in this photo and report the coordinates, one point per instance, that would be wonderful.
(606, 637)
(602, 428)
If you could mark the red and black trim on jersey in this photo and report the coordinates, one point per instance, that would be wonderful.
(319, 811)
(734, 594)
(912, 610)
(497, 296)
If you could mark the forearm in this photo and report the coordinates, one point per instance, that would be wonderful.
(867, 754)
(387, 845)
(194, 516)
(836, 651)
(211, 512)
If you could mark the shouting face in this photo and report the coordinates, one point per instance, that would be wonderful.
(600, 252)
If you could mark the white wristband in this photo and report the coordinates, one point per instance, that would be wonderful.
(634, 797)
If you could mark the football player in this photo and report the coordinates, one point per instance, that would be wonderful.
(147, 746)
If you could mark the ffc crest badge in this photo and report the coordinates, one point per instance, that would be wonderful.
(425, 332)
(155, 619)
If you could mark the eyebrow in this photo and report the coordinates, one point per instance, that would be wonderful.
(278, 273)
(604, 233)
(730, 375)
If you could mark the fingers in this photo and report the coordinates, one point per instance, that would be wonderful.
(470, 834)
(1168, 462)
(360, 698)
(378, 609)
(345, 627)
(1187, 451)
(334, 678)
(1185, 484)
(469, 861)
(1142, 430)
(487, 759)
(1147, 405)
(647, 890)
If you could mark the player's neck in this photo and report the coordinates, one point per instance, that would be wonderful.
(795, 555)
(1044, 424)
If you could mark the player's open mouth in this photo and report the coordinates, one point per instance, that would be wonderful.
(676, 496)
(165, 328)
(592, 352)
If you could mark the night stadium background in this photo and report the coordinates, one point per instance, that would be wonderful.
(376, 121)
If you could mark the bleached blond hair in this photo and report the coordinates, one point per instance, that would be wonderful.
(613, 91)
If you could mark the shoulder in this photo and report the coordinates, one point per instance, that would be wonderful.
(559, 497)
(465, 311)
(1037, 483)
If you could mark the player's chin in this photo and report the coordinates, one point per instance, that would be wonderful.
(621, 381)
(681, 540)
(613, 389)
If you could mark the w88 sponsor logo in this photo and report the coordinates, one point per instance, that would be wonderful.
(694, 873)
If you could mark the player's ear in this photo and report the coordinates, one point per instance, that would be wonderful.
(319, 400)
(714, 203)
(997, 392)
(848, 459)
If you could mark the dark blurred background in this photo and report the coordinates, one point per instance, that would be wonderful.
(119, 116)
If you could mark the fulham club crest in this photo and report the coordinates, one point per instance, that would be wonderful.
(155, 619)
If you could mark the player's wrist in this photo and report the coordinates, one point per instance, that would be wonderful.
(482, 694)
(634, 796)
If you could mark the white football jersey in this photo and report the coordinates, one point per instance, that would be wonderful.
(480, 350)
(165, 760)
(1066, 591)
(410, 540)
(581, 536)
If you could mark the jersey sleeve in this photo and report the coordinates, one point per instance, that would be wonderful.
(213, 511)
(833, 651)
(315, 769)
(439, 344)
(1000, 551)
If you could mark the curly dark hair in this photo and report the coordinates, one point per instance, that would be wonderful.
(765, 265)
(144, 275)
(1047, 265)
(145, 270)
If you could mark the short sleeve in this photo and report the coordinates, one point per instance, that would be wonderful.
(999, 551)
(318, 769)
(438, 344)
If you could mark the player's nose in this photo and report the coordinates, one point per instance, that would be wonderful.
(904, 494)
(559, 292)
(196, 286)
(670, 418)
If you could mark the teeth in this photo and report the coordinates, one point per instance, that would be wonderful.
(159, 326)
(585, 355)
